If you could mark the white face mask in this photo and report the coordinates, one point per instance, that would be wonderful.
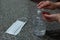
(16, 27)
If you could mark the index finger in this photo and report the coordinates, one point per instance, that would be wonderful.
(40, 3)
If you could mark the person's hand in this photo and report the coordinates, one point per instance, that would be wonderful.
(47, 5)
(51, 17)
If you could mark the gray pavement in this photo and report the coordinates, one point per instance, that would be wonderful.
(10, 11)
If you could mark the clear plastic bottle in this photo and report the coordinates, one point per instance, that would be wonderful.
(39, 24)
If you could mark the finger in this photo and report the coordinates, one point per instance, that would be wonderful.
(50, 7)
(40, 3)
(44, 18)
(47, 19)
(48, 16)
(46, 7)
(45, 4)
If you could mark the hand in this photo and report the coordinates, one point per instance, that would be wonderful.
(51, 17)
(47, 5)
